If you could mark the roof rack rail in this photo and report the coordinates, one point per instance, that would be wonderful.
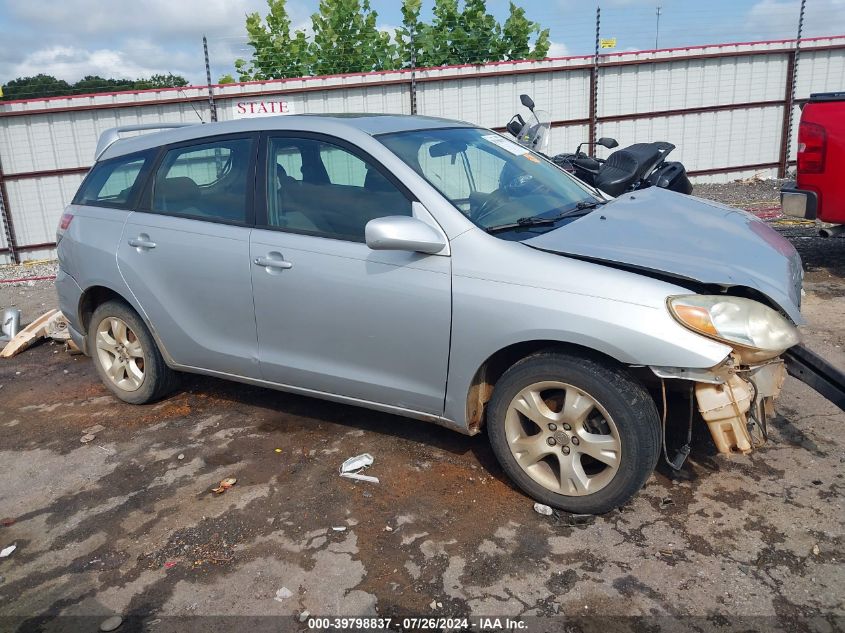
(112, 135)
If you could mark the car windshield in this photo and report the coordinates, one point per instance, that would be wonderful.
(498, 184)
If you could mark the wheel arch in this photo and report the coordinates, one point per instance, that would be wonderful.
(494, 366)
(93, 297)
(96, 295)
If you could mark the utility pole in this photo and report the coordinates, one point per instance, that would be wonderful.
(789, 103)
(657, 30)
(594, 82)
(211, 104)
(413, 70)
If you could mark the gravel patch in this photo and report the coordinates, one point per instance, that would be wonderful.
(27, 272)
(753, 194)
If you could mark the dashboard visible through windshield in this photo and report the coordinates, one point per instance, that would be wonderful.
(501, 186)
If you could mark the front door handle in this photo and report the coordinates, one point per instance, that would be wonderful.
(142, 242)
(276, 262)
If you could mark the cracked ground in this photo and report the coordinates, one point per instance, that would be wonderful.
(127, 523)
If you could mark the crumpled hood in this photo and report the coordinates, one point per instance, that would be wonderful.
(687, 238)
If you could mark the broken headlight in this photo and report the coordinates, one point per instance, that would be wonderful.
(755, 330)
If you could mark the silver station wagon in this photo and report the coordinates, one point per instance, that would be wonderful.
(435, 270)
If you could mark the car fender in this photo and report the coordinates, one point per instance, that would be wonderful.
(505, 293)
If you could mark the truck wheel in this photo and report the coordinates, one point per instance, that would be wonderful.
(126, 356)
(573, 432)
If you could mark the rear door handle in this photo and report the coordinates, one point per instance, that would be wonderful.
(272, 262)
(142, 242)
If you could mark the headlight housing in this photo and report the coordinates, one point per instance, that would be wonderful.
(756, 331)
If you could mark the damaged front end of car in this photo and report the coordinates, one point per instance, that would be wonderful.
(735, 398)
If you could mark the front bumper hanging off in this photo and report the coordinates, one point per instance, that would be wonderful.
(736, 401)
(816, 373)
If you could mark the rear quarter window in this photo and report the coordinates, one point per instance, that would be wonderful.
(115, 182)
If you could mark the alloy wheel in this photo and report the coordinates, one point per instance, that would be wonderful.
(563, 438)
(120, 354)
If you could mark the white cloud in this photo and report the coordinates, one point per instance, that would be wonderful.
(779, 18)
(72, 63)
(161, 17)
(557, 49)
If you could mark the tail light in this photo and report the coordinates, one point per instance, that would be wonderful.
(812, 141)
(64, 223)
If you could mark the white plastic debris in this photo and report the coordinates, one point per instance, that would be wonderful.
(6, 551)
(360, 477)
(339, 528)
(283, 594)
(304, 615)
(354, 464)
(541, 508)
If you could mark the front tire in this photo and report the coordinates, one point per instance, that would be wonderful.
(126, 356)
(573, 432)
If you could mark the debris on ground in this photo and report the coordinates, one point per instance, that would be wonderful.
(354, 464)
(304, 616)
(7, 551)
(7, 522)
(665, 502)
(339, 528)
(359, 477)
(225, 484)
(111, 624)
(283, 594)
(180, 456)
(10, 324)
(170, 564)
(56, 328)
(29, 335)
(88, 437)
(541, 508)
(816, 550)
(351, 468)
(93, 430)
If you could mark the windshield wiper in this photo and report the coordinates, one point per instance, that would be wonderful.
(578, 209)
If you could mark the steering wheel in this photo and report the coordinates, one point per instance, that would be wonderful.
(491, 204)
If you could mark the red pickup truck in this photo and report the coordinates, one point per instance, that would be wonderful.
(819, 192)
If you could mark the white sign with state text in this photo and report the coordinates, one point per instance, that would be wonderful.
(269, 106)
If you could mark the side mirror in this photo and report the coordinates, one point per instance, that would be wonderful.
(606, 141)
(527, 101)
(402, 233)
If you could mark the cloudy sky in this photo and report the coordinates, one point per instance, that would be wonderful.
(121, 38)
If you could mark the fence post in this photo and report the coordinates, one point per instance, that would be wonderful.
(789, 98)
(212, 106)
(594, 83)
(413, 71)
(6, 216)
(8, 227)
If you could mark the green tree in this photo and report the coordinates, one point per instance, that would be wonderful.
(226, 79)
(412, 29)
(42, 86)
(346, 39)
(163, 81)
(36, 87)
(276, 52)
(516, 35)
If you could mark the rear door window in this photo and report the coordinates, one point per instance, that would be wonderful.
(207, 181)
(116, 182)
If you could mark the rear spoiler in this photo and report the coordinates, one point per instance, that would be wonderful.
(112, 135)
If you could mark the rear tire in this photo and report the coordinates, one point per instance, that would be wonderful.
(126, 356)
(573, 432)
